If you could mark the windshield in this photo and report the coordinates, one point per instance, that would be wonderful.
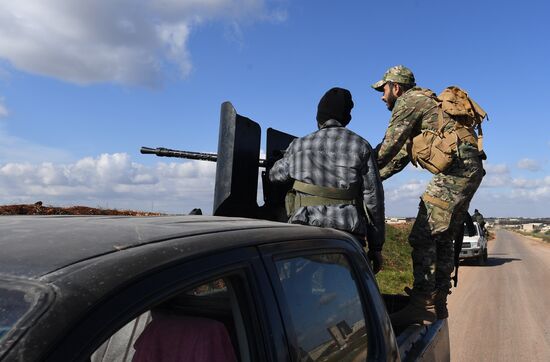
(467, 230)
(19, 302)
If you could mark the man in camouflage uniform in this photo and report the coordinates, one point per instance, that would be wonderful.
(443, 204)
(336, 182)
(478, 217)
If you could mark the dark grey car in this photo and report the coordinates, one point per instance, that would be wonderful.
(190, 288)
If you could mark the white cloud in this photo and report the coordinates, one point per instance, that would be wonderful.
(115, 181)
(532, 194)
(327, 298)
(496, 180)
(523, 183)
(499, 169)
(528, 164)
(111, 180)
(515, 197)
(121, 41)
(532, 188)
(412, 189)
(498, 175)
(502, 193)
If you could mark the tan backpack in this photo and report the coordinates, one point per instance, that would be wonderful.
(433, 150)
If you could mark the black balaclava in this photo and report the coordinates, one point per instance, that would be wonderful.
(335, 104)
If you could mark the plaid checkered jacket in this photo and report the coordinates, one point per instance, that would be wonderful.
(334, 156)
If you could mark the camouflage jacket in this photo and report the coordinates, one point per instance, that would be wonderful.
(334, 156)
(414, 111)
(478, 217)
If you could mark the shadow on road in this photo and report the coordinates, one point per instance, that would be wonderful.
(492, 261)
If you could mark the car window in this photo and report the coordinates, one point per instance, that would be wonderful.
(19, 302)
(467, 230)
(204, 320)
(325, 307)
(14, 304)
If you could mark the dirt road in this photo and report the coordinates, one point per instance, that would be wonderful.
(501, 311)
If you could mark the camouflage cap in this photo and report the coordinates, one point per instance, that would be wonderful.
(397, 74)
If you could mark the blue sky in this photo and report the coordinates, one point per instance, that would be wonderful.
(84, 84)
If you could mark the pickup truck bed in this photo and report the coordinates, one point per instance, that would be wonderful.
(420, 342)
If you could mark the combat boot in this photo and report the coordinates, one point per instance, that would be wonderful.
(419, 310)
(440, 303)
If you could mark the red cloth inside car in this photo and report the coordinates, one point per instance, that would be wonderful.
(173, 338)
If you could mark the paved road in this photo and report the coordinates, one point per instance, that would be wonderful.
(501, 311)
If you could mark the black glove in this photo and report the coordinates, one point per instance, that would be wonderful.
(376, 259)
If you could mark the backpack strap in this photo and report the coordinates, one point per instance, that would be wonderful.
(482, 153)
(479, 138)
(440, 124)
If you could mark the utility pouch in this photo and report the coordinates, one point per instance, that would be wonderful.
(433, 150)
(290, 202)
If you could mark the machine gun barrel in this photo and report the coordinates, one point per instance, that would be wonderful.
(166, 152)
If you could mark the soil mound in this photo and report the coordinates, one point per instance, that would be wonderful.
(39, 209)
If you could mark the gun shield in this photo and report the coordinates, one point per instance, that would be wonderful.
(236, 187)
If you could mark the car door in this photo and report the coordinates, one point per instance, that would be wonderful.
(211, 306)
(331, 307)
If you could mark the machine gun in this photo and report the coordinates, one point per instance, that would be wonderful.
(237, 167)
(201, 156)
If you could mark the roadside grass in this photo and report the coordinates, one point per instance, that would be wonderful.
(397, 271)
(544, 236)
(537, 234)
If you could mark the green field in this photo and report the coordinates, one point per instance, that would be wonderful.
(397, 271)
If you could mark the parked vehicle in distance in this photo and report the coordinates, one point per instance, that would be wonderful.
(139, 288)
(475, 246)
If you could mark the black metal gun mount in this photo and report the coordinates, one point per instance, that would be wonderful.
(237, 167)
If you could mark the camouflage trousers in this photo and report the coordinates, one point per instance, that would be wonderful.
(441, 214)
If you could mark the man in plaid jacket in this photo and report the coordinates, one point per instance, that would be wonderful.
(336, 182)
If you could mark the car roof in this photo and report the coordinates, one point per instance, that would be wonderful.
(33, 246)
